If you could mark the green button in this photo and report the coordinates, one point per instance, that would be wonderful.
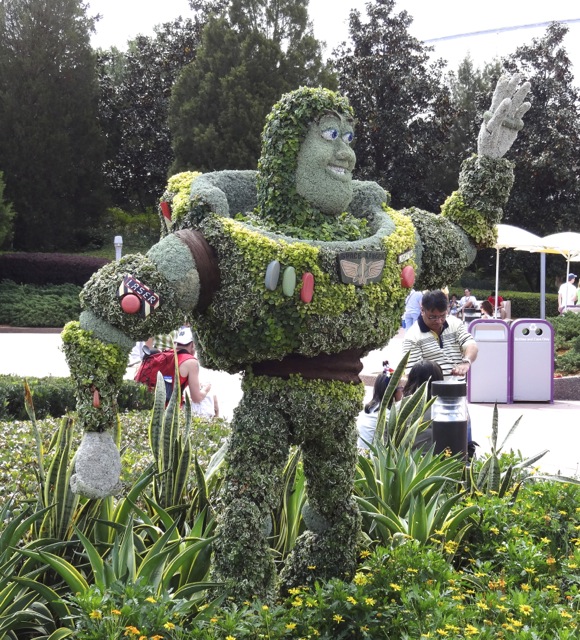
(289, 281)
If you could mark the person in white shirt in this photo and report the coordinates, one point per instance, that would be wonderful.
(412, 308)
(468, 301)
(567, 293)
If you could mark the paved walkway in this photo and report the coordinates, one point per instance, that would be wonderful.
(555, 427)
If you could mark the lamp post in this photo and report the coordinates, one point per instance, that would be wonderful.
(118, 242)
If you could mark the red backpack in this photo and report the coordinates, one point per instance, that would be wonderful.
(163, 361)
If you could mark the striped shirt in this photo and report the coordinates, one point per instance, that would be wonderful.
(447, 349)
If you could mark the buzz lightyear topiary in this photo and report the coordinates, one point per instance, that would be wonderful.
(290, 275)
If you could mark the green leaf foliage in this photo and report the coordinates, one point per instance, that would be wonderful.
(49, 87)
(250, 54)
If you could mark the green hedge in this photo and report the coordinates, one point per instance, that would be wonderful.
(524, 305)
(53, 396)
(29, 305)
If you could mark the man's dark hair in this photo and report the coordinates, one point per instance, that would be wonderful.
(435, 301)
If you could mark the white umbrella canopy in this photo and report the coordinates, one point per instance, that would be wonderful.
(566, 243)
(510, 237)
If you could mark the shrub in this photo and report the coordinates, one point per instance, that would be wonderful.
(54, 396)
(524, 304)
(27, 305)
(49, 268)
(567, 342)
(7, 213)
(138, 230)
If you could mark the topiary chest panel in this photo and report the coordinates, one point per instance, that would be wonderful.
(280, 296)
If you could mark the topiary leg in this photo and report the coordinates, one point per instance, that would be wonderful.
(329, 548)
(256, 457)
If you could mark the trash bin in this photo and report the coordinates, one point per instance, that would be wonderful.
(532, 356)
(449, 414)
(489, 376)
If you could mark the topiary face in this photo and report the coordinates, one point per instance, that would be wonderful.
(287, 127)
(325, 164)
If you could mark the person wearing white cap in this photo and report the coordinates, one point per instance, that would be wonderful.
(189, 366)
(567, 293)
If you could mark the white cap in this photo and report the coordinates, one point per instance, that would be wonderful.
(184, 336)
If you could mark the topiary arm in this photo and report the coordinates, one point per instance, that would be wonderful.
(486, 179)
(192, 197)
(367, 198)
(126, 301)
(504, 119)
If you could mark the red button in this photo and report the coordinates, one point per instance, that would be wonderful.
(131, 303)
(408, 277)
(307, 290)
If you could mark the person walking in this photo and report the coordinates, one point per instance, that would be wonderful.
(189, 367)
(567, 293)
(412, 308)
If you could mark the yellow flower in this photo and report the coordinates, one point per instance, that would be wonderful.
(351, 600)
(470, 630)
(365, 554)
(214, 620)
(297, 602)
(150, 599)
(311, 567)
(494, 530)
(529, 570)
(545, 540)
(230, 638)
(525, 587)
(551, 560)
(265, 607)
(395, 587)
(411, 570)
(291, 626)
(370, 601)
(451, 546)
(337, 618)
(526, 609)
(360, 578)
(95, 614)
(156, 637)
(442, 632)
(482, 606)
(115, 612)
(565, 614)
(169, 626)
(294, 591)
(132, 631)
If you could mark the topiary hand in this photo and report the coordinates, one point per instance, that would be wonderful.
(503, 121)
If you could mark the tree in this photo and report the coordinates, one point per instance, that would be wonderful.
(471, 89)
(6, 215)
(545, 197)
(403, 108)
(546, 194)
(251, 53)
(51, 149)
(134, 105)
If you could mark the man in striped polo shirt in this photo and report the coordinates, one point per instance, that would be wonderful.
(440, 338)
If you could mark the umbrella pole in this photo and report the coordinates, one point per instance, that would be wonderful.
(496, 282)
(567, 282)
(543, 286)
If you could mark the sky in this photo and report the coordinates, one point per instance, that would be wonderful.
(432, 19)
